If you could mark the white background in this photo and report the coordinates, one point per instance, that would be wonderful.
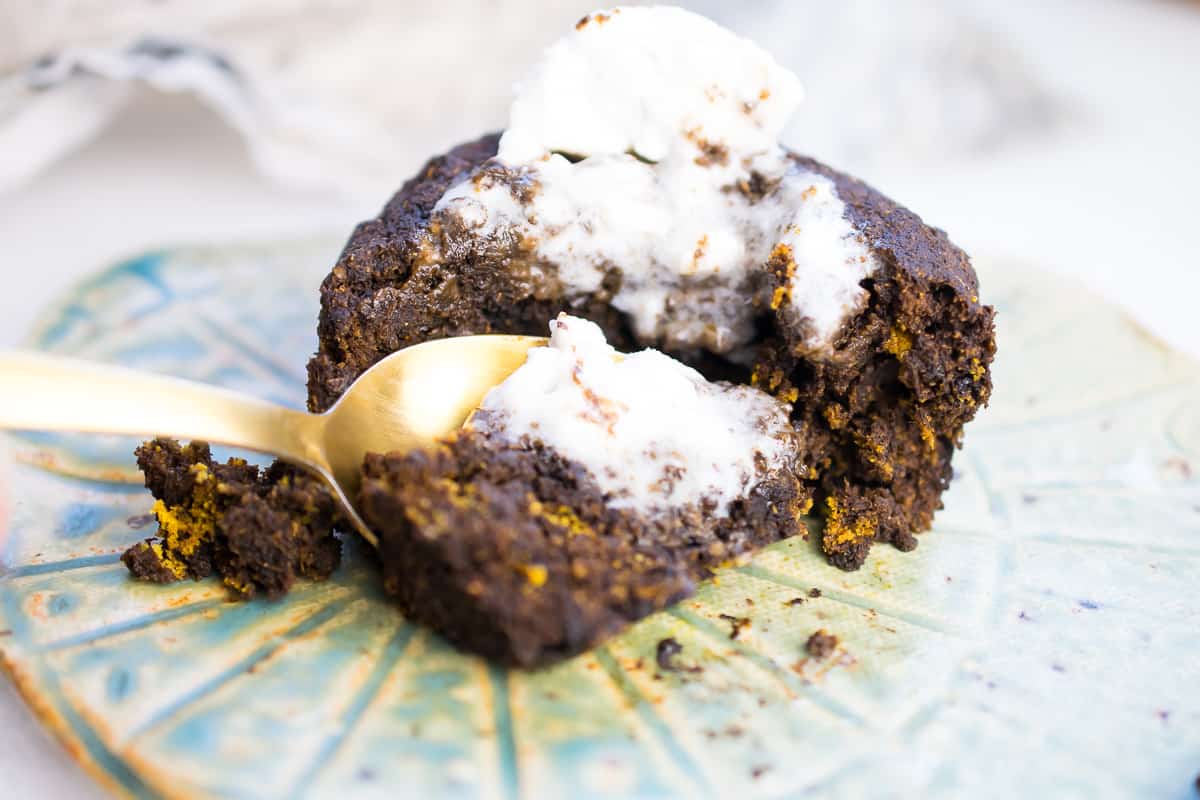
(1111, 197)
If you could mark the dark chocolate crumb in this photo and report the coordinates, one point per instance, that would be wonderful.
(795, 601)
(814, 593)
(820, 644)
(495, 553)
(258, 530)
(736, 624)
(749, 601)
(665, 654)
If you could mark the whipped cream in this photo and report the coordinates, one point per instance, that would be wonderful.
(652, 432)
(645, 142)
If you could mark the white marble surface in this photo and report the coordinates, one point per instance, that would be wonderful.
(1110, 198)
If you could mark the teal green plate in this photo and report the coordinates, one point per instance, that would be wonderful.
(1044, 640)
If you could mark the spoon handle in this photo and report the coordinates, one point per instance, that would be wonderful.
(44, 392)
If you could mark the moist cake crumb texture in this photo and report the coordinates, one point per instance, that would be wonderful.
(512, 551)
(258, 531)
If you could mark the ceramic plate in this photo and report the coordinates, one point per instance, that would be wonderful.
(1042, 641)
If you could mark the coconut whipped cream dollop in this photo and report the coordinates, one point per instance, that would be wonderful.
(645, 144)
(653, 432)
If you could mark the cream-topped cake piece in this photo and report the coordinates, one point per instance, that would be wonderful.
(653, 432)
(645, 144)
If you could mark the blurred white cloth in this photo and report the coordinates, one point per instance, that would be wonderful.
(327, 94)
(330, 93)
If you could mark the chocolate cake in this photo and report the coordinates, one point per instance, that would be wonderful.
(880, 417)
(825, 344)
(258, 531)
(880, 404)
(579, 499)
(514, 553)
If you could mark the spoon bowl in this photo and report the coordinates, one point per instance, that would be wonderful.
(407, 400)
(410, 399)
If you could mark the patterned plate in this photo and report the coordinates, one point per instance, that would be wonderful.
(1041, 642)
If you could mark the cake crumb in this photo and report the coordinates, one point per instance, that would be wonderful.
(814, 593)
(820, 644)
(736, 624)
(665, 656)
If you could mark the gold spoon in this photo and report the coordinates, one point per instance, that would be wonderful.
(406, 400)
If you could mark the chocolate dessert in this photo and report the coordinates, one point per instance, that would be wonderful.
(830, 297)
(258, 531)
(813, 346)
(579, 499)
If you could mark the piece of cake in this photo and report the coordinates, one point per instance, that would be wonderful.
(816, 348)
(258, 531)
(589, 490)
(641, 185)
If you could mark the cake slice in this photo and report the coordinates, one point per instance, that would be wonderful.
(589, 490)
(641, 185)
(796, 343)
(257, 530)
